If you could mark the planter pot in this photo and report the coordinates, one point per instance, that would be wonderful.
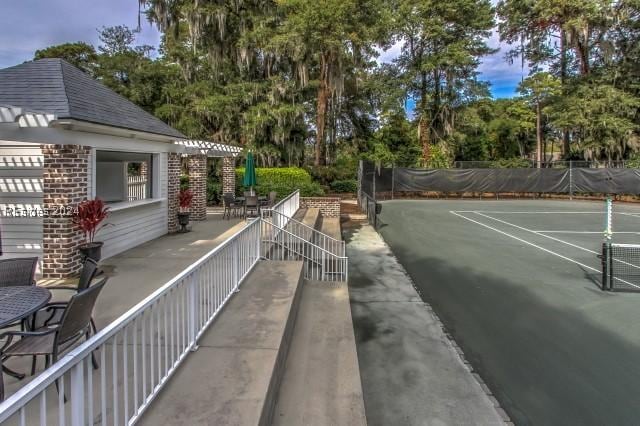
(183, 221)
(92, 250)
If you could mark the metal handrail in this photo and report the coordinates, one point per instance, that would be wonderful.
(328, 242)
(310, 253)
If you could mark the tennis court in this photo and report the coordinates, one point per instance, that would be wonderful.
(517, 283)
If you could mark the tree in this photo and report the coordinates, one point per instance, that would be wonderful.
(79, 54)
(324, 39)
(442, 44)
(539, 89)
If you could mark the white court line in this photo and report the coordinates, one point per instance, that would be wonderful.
(529, 212)
(525, 241)
(583, 232)
(539, 247)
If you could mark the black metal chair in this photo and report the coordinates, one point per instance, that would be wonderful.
(55, 338)
(230, 205)
(87, 274)
(18, 272)
(251, 204)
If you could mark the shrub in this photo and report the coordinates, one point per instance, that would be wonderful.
(214, 192)
(325, 175)
(277, 176)
(512, 163)
(281, 180)
(349, 185)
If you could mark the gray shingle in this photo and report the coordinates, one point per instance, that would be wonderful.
(57, 87)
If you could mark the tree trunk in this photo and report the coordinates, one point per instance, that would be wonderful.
(423, 124)
(566, 142)
(538, 134)
(321, 118)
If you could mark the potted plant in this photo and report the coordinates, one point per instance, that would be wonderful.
(184, 200)
(89, 217)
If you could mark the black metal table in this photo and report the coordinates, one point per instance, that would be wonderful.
(18, 303)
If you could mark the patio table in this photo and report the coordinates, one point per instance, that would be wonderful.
(18, 303)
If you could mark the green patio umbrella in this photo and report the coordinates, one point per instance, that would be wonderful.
(249, 173)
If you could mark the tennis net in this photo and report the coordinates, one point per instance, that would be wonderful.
(621, 267)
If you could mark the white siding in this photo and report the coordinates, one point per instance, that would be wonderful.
(20, 187)
(133, 226)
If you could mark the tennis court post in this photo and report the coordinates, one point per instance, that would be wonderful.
(607, 283)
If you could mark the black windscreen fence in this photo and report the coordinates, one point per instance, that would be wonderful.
(388, 181)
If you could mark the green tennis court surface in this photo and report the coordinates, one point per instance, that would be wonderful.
(517, 284)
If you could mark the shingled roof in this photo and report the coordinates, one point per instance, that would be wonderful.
(54, 86)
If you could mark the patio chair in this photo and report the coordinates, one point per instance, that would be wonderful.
(89, 271)
(230, 205)
(55, 338)
(251, 204)
(18, 272)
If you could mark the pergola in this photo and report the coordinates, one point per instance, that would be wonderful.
(210, 149)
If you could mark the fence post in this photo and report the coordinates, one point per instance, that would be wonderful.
(235, 259)
(193, 309)
(393, 179)
(77, 394)
(570, 179)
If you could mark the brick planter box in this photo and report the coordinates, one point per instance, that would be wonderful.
(329, 206)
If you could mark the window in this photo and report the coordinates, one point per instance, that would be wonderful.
(124, 176)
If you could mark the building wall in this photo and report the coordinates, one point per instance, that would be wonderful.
(21, 170)
(20, 187)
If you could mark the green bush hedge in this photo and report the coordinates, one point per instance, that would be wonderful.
(348, 185)
(283, 181)
(328, 174)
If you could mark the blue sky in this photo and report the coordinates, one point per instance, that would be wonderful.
(28, 25)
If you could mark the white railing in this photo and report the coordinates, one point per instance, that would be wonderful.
(136, 187)
(286, 208)
(319, 264)
(139, 351)
(324, 241)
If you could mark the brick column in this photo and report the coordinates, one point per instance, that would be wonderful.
(64, 186)
(228, 175)
(173, 188)
(198, 186)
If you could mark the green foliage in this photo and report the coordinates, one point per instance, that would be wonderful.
(79, 54)
(350, 185)
(439, 158)
(214, 192)
(511, 163)
(184, 182)
(633, 162)
(281, 180)
(278, 176)
(326, 175)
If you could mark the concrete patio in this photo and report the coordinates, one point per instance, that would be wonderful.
(136, 273)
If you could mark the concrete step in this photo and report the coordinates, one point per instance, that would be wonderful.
(331, 227)
(321, 384)
(234, 376)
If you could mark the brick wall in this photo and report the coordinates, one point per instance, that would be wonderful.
(64, 186)
(329, 206)
(228, 175)
(198, 185)
(173, 187)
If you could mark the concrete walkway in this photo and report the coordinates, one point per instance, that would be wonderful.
(411, 373)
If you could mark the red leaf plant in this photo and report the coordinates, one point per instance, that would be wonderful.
(184, 199)
(89, 217)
